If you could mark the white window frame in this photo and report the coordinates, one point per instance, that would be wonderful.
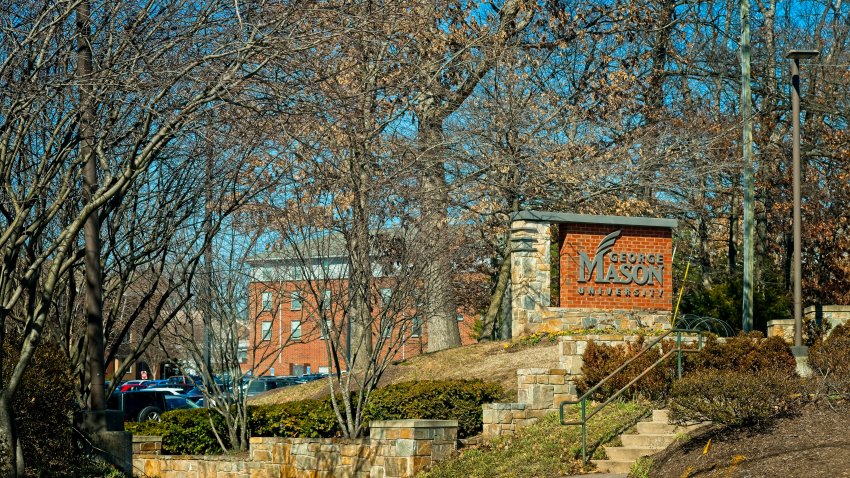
(266, 330)
(415, 327)
(295, 300)
(295, 330)
(324, 331)
(266, 299)
(327, 299)
(386, 295)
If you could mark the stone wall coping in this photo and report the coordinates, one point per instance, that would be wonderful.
(779, 322)
(505, 406)
(234, 458)
(551, 216)
(827, 308)
(146, 438)
(413, 423)
(327, 441)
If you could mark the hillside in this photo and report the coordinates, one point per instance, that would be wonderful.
(812, 443)
(486, 361)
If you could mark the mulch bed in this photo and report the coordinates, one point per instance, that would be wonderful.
(814, 443)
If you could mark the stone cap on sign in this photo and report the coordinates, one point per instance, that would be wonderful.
(146, 438)
(551, 216)
(413, 423)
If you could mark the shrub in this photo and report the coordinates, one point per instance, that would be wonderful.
(830, 360)
(304, 418)
(601, 360)
(746, 353)
(185, 432)
(459, 400)
(43, 408)
(732, 398)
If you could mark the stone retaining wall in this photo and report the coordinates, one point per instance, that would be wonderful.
(831, 314)
(541, 391)
(395, 449)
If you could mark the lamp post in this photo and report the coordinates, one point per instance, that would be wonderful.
(795, 56)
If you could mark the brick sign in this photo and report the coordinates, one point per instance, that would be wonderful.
(615, 266)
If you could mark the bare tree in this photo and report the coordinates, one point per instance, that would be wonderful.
(156, 67)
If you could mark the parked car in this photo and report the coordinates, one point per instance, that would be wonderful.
(311, 377)
(138, 406)
(176, 402)
(261, 385)
(156, 383)
(144, 405)
(131, 385)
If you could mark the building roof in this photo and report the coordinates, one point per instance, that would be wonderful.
(553, 217)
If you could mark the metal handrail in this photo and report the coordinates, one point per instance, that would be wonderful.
(584, 398)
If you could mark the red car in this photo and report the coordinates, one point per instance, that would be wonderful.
(132, 385)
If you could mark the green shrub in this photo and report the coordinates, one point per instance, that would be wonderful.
(732, 398)
(459, 400)
(746, 353)
(600, 360)
(188, 432)
(830, 362)
(304, 418)
(43, 408)
(185, 432)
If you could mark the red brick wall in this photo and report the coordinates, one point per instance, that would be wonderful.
(642, 241)
(311, 349)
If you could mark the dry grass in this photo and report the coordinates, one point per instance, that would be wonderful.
(487, 361)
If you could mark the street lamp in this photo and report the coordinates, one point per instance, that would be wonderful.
(795, 56)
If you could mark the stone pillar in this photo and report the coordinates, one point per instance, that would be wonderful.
(530, 273)
(410, 446)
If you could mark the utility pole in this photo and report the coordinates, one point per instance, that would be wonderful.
(795, 56)
(747, 140)
(91, 233)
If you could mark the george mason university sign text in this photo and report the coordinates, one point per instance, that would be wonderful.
(609, 271)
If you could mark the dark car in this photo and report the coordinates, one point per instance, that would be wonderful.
(261, 385)
(139, 405)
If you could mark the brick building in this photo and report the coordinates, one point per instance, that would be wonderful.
(296, 300)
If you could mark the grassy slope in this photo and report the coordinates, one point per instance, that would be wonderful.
(543, 450)
(486, 361)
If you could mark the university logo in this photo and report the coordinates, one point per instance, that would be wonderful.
(620, 268)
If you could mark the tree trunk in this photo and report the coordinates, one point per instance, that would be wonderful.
(490, 327)
(8, 437)
(440, 308)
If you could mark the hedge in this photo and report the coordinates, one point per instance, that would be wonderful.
(459, 400)
(188, 432)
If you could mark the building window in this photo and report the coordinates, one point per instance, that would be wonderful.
(267, 330)
(416, 327)
(267, 301)
(243, 356)
(459, 317)
(326, 329)
(326, 300)
(295, 300)
(386, 327)
(386, 295)
(295, 327)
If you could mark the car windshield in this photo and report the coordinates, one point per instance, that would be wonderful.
(173, 402)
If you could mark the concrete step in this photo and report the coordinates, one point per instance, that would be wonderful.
(632, 453)
(653, 428)
(650, 441)
(661, 416)
(613, 466)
